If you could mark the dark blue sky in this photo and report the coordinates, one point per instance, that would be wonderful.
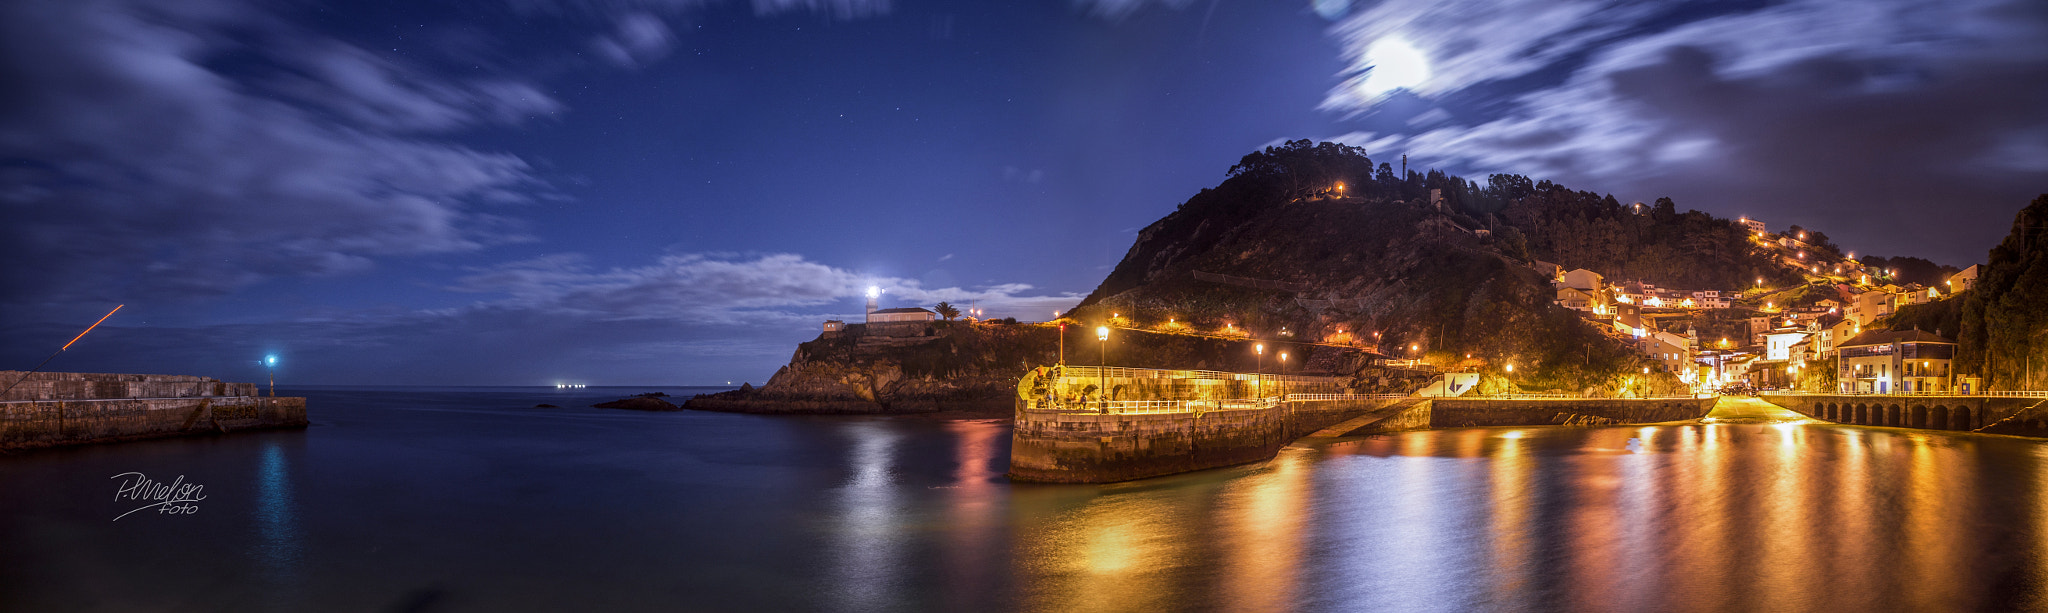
(533, 191)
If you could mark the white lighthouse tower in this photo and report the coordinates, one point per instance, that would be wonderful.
(874, 293)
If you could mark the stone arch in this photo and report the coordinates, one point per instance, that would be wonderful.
(1965, 418)
(1917, 416)
(1833, 412)
(1862, 415)
(1895, 416)
(1939, 418)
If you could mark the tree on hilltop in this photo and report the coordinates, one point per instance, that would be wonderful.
(947, 310)
(1303, 167)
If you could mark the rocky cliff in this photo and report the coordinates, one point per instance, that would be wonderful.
(1309, 250)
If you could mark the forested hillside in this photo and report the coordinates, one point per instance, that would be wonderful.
(2005, 319)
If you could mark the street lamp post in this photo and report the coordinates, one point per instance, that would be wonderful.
(270, 371)
(1102, 366)
(1259, 371)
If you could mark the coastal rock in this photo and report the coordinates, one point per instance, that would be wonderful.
(545, 406)
(643, 402)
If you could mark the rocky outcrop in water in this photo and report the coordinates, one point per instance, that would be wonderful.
(643, 402)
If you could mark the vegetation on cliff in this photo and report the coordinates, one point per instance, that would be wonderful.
(2004, 319)
(1307, 243)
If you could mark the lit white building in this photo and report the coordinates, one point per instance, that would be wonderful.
(906, 314)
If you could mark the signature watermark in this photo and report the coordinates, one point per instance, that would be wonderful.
(174, 498)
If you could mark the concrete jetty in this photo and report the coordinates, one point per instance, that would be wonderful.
(55, 409)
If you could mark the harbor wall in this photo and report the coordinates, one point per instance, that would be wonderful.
(1466, 413)
(55, 409)
(1075, 447)
(102, 386)
(1080, 447)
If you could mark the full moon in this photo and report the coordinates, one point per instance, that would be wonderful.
(1395, 65)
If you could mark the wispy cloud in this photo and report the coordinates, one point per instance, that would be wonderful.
(1798, 101)
(710, 289)
(691, 318)
(136, 164)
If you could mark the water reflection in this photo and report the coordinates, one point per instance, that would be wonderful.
(1510, 503)
(914, 515)
(1104, 556)
(971, 567)
(865, 576)
(280, 545)
(1262, 518)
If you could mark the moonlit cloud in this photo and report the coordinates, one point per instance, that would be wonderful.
(714, 289)
(1793, 104)
(1392, 64)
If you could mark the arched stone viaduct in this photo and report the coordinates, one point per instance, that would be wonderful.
(2001, 415)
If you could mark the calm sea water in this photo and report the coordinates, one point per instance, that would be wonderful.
(470, 500)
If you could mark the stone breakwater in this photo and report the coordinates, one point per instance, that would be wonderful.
(1080, 447)
(55, 409)
(1077, 447)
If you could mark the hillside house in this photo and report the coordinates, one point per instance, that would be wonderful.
(1581, 278)
(1963, 280)
(1870, 306)
(1580, 300)
(1881, 361)
(1778, 343)
(1831, 331)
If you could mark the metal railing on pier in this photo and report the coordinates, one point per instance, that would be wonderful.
(2016, 394)
(1137, 407)
(1114, 372)
(1334, 397)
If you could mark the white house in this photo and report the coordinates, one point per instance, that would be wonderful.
(907, 314)
(1778, 344)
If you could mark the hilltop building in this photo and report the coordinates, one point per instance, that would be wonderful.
(906, 314)
(1963, 280)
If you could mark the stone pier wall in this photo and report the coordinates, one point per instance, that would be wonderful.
(1464, 413)
(53, 409)
(1061, 447)
(1065, 447)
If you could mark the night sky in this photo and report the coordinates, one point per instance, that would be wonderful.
(528, 192)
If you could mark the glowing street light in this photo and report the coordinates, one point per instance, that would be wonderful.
(1258, 370)
(270, 371)
(1511, 368)
(1102, 366)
